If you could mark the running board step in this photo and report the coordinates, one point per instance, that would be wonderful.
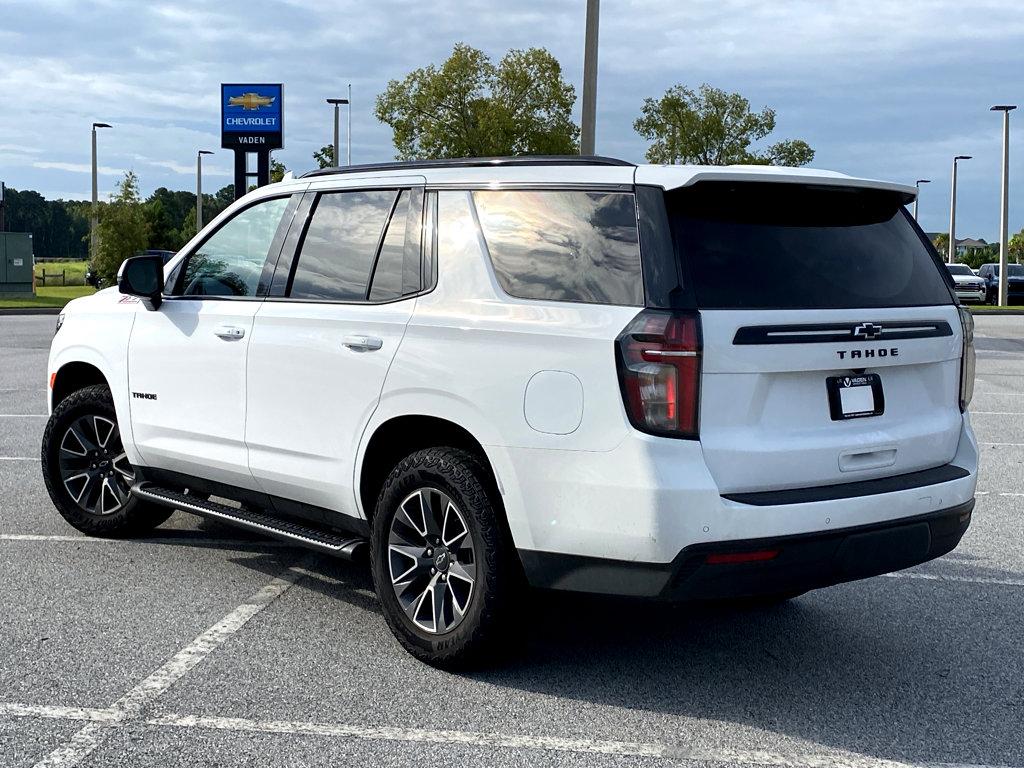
(324, 541)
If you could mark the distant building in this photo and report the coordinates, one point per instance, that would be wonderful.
(964, 245)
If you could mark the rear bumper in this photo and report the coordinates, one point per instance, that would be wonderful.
(803, 561)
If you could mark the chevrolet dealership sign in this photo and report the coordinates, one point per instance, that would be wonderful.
(252, 116)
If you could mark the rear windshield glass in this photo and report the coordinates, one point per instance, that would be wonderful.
(760, 246)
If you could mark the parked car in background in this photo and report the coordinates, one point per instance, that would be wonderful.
(969, 287)
(93, 279)
(1014, 283)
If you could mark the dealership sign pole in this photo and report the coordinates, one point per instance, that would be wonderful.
(251, 121)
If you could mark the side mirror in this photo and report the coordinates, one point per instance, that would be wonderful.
(143, 276)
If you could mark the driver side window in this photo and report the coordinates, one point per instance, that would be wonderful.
(230, 261)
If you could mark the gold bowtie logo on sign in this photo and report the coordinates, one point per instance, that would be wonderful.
(250, 101)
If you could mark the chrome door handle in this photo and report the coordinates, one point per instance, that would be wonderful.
(361, 343)
(229, 332)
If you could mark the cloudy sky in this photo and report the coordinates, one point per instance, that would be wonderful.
(890, 89)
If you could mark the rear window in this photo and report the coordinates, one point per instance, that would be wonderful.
(569, 246)
(764, 246)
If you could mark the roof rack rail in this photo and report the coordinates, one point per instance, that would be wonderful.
(521, 160)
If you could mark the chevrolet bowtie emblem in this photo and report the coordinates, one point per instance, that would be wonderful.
(250, 101)
(867, 331)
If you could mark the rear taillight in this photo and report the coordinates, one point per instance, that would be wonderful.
(658, 357)
(967, 359)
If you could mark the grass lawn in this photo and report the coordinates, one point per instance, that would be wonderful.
(75, 273)
(1017, 307)
(48, 296)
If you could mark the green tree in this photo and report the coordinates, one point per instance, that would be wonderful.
(188, 226)
(324, 157)
(713, 127)
(122, 228)
(277, 170)
(1015, 247)
(470, 107)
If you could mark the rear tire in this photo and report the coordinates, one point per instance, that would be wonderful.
(87, 473)
(443, 564)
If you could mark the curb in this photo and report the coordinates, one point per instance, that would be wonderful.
(31, 310)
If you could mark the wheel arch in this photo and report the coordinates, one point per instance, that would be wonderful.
(400, 436)
(73, 376)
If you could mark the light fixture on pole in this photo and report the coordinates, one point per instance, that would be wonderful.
(199, 188)
(1004, 208)
(337, 105)
(590, 78)
(951, 249)
(918, 184)
(94, 213)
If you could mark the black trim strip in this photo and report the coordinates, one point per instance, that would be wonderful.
(811, 333)
(915, 480)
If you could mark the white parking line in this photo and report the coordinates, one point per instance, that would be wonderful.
(105, 719)
(680, 755)
(954, 578)
(58, 711)
(19, 459)
(999, 413)
(89, 737)
(23, 416)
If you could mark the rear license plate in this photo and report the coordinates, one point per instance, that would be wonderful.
(850, 397)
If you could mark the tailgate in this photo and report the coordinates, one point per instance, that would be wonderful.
(768, 420)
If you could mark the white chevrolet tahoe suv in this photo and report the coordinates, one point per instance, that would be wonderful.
(571, 373)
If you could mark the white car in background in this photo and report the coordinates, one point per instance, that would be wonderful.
(573, 373)
(969, 287)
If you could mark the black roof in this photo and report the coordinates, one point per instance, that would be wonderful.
(521, 160)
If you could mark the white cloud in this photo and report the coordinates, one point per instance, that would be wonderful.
(78, 168)
(884, 89)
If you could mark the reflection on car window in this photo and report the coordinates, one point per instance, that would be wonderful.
(341, 242)
(229, 263)
(568, 246)
(387, 276)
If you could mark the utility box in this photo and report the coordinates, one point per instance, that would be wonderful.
(16, 264)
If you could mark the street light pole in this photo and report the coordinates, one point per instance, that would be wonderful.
(94, 212)
(199, 188)
(918, 184)
(337, 142)
(1004, 211)
(590, 78)
(951, 250)
(349, 139)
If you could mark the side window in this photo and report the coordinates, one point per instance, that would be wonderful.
(387, 275)
(337, 253)
(569, 246)
(231, 261)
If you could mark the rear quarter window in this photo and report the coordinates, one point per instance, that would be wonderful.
(563, 245)
(765, 246)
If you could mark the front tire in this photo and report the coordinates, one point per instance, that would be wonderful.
(87, 473)
(443, 564)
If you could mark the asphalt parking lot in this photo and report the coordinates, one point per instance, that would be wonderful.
(203, 646)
